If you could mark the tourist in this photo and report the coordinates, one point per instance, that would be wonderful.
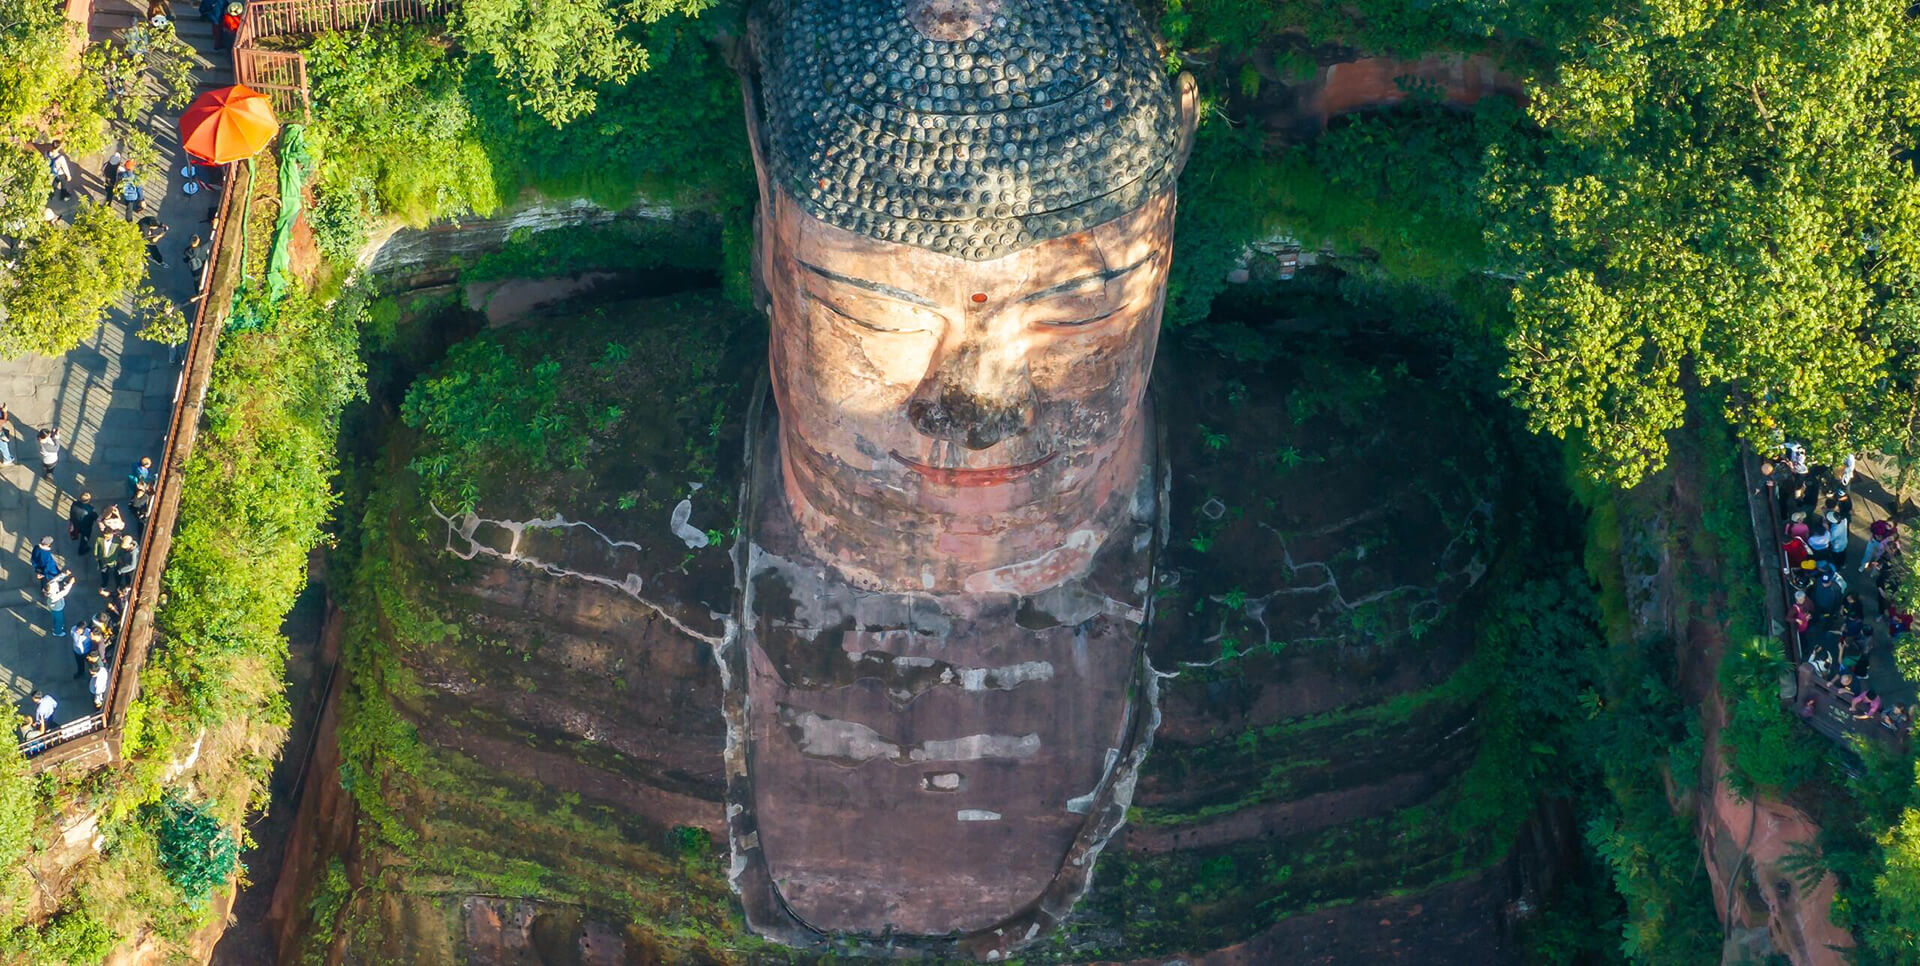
(111, 173)
(82, 639)
(1797, 527)
(152, 230)
(129, 561)
(1898, 717)
(142, 504)
(1836, 534)
(1845, 476)
(1882, 538)
(133, 196)
(81, 518)
(49, 451)
(1828, 593)
(113, 524)
(43, 708)
(1862, 665)
(196, 257)
(1821, 663)
(1820, 540)
(6, 437)
(1797, 552)
(45, 565)
(1807, 709)
(55, 591)
(1899, 624)
(1841, 502)
(1865, 705)
(61, 167)
(1796, 459)
(106, 556)
(1801, 613)
(1844, 686)
(98, 683)
(228, 26)
(143, 472)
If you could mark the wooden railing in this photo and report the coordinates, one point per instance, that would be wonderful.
(96, 737)
(282, 74)
(282, 18)
(279, 74)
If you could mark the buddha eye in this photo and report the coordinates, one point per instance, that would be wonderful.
(1077, 323)
(862, 323)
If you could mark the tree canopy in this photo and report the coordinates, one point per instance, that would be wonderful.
(1714, 199)
(551, 55)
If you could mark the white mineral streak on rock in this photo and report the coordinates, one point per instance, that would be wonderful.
(825, 737)
(694, 538)
(461, 528)
(1004, 678)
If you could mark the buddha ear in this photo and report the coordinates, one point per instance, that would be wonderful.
(1189, 92)
(750, 97)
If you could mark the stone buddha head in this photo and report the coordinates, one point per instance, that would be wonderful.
(965, 224)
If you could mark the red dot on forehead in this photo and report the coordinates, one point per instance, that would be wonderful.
(979, 296)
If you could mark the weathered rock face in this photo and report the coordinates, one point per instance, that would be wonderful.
(403, 248)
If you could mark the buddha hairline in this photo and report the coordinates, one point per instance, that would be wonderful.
(1051, 118)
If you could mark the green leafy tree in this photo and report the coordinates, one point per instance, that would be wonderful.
(551, 55)
(24, 184)
(43, 93)
(53, 299)
(1713, 200)
(196, 849)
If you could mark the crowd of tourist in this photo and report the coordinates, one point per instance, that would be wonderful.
(1838, 632)
(110, 541)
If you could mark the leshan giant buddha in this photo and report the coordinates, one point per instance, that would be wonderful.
(965, 223)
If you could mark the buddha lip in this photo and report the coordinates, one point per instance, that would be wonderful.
(993, 476)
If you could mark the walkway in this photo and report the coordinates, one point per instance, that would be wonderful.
(110, 399)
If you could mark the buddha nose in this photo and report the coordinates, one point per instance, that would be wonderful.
(965, 400)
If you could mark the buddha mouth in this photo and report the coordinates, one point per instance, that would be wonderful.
(993, 476)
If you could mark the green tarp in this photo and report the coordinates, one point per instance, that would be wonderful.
(250, 310)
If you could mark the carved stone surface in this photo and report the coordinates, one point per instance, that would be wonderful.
(966, 127)
(962, 425)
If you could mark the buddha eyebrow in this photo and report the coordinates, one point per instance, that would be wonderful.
(878, 288)
(1106, 275)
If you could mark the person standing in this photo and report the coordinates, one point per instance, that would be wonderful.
(82, 638)
(45, 565)
(143, 472)
(152, 230)
(61, 167)
(49, 451)
(98, 683)
(113, 524)
(106, 556)
(43, 708)
(129, 561)
(142, 504)
(6, 437)
(81, 517)
(56, 591)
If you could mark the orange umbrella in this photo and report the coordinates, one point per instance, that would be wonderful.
(228, 124)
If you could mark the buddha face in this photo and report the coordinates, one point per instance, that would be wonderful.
(953, 424)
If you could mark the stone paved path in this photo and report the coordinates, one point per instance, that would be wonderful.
(110, 399)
